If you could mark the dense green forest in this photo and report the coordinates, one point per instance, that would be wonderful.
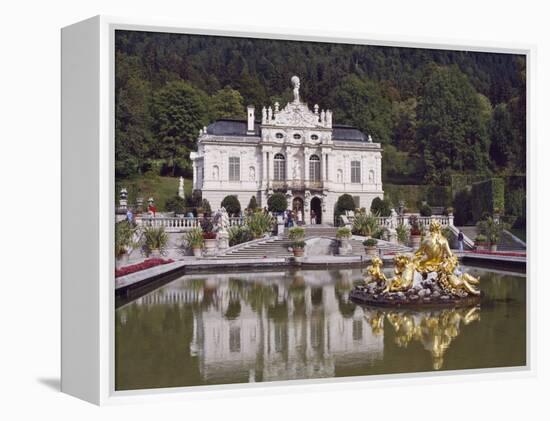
(436, 112)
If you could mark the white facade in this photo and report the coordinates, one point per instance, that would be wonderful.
(294, 150)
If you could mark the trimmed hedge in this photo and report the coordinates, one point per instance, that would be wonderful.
(277, 202)
(232, 205)
(344, 203)
(487, 196)
(413, 195)
(380, 207)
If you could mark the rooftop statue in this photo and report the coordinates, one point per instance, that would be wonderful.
(295, 80)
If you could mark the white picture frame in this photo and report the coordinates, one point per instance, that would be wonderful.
(87, 213)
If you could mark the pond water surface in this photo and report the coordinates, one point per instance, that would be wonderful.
(268, 326)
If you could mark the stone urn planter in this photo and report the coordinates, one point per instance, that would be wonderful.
(493, 247)
(197, 251)
(370, 247)
(298, 248)
(482, 246)
(210, 246)
(415, 241)
(154, 254)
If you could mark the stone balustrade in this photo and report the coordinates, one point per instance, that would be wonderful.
(423, 221)
(179, 224)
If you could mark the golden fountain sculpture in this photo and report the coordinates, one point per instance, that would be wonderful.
(429, 275)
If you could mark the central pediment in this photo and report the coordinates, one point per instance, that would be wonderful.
(297, 115)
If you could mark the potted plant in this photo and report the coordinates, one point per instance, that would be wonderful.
(492, 229)
(209, 237)
(195, 240)
(402, 233)
(296, 235)
(154, 241)
(343, 234)
(415, 232)
(370, 246)
(259, 223)
(481, 242)
(124, 242)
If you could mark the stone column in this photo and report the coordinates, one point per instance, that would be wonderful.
(194, 174)
(307, 155)
(288, 159)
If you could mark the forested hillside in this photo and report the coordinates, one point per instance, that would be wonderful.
(436, 112)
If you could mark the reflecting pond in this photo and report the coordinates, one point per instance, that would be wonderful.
(267, 326)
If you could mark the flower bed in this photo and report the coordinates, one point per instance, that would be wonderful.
(146, 264)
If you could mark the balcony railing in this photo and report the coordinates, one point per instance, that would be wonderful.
(296, 185)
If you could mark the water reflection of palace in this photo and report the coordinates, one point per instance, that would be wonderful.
(295, 329)
(296, 325)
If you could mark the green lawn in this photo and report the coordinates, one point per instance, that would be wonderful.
(159, 188)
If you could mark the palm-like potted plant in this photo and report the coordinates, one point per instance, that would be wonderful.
(259, 223)
(343, 235)
(370, 246)
(366, 225)
(492, 229)
(415, 232)
(195, 240)
(124, 242)
(402, 233)
(296, 236)
(154, 241)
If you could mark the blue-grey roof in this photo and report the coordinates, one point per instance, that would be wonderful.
(349, 133)
(229, 127)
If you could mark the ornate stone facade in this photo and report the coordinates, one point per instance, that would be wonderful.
(293, 150)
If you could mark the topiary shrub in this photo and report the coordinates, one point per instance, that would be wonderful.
(425, 210)
(277, 203)
(232, 205)
(205, 205)
(380, 207)
(253, 204)
(344, 203)
(175, 204)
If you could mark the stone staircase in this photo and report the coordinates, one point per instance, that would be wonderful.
(506, 242)
(278, 247)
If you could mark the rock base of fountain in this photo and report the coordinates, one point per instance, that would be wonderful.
(427, 293)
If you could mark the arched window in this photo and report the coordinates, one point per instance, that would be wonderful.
(314, 168)
(356, 171)
(279, 167)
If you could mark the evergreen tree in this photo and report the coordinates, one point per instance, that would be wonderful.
(227, 103)
(451, 129)
(179, 112)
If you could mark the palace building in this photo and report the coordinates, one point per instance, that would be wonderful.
(293, 150)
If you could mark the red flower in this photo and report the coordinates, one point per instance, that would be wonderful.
(146, 264)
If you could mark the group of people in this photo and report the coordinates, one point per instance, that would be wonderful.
(295, 217)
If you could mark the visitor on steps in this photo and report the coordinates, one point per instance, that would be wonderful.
(313, 217)
(460, 241)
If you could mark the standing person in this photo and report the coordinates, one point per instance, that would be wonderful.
(313, 217)
(299, 216)
(129, 216)
(290, 220)
(460, 241)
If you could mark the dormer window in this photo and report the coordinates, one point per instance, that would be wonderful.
(279, 135)
(314, 137)
(297, 136)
